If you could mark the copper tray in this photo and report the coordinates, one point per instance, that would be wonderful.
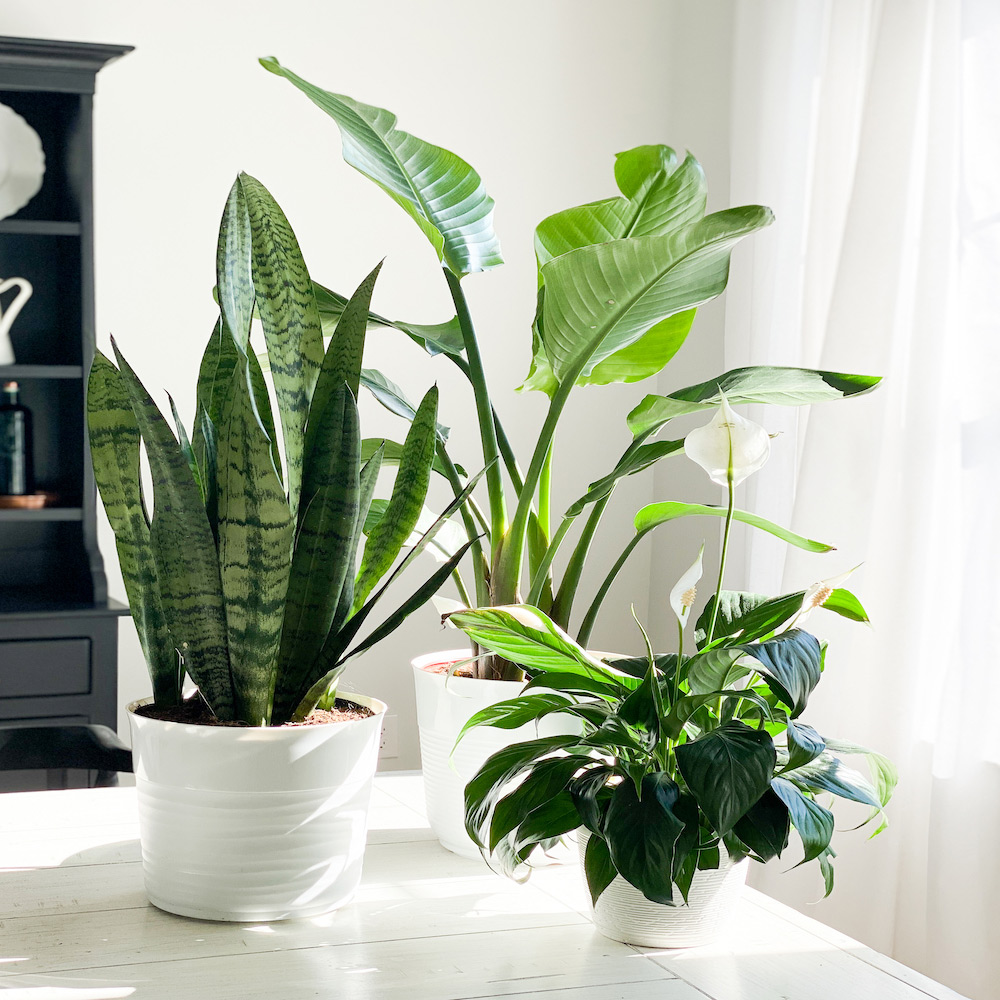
(28, 501)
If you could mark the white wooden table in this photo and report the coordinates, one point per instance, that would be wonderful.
(75, 925)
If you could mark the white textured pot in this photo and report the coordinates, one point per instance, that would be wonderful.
(253, 824)
(442, 710)
(624, 914)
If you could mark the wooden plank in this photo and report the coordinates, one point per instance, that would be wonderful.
(456, 967)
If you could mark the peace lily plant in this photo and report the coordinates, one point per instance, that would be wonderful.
(684, 761)
(252, 573)
(619, 281)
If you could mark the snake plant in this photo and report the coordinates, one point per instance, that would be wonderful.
(619, 281)
(245, 573)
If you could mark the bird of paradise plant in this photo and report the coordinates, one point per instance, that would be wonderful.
(619, 282)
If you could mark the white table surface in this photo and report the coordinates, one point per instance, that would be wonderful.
(75, 925)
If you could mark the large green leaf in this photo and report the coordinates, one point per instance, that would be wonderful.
(655, 514)
(184, 552)
(114, 448)
(829, 774)
(599, 299)
(528, 637)
(290, 319)
(641, 833)
(812, 822)
(392, 397)
(727, 771)
(234, 268)
(762, 384)
(748, 615)
(437, 189)
(408, 494)
(324, 551)
(598, 867)
(764, 827)
(803, 743)
(392, 452)
(256, 529)
(791, 664)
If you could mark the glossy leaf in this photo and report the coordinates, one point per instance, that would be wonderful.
(516, 712)
(764, 827)
(812, 822)
(727, 771)
(803, 743)
(655, 514)
(600, 299)
(598, 867)
(750, 616)
(759, 384)
(641, 833)
(828, 774)
(791, 664)
(713, 669)
(436, 188)
(845, 604)
(592, 794)
(393, 398)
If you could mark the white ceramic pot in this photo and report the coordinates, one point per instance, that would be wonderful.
(442, 710)
(624, 914)
(253, 824)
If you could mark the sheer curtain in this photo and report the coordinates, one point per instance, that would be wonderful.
(873, 130)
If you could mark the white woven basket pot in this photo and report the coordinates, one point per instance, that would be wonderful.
(624, 914)
(253, 824)
(442, 710)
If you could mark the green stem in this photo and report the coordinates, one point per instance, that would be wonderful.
(542, 572)
(463, 593)
(562, 607)
(722, 560)
(484, 410)
(478, 557)
(545, 495)
(507, 576)
(583, 637)
(680, 658)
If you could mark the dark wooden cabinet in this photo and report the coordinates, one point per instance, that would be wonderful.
(58, 630)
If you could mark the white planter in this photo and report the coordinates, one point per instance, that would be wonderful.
(442, 710)
(253, 824)
(624, 914)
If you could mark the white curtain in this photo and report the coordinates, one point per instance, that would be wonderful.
(873, 130)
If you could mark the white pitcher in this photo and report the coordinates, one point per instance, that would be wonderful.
(10, 314)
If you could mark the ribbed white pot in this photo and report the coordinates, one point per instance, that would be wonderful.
(253, 824)
(442, 710)
(624, 914)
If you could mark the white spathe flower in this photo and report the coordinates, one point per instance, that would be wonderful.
(685, 591)
(817, 594)
(729, 447)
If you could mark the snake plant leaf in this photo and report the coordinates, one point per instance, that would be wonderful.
(408, 494)
(446, 540)
(184, 552)
(629, 464)
(812, 822)
(393, 398)
(655, 514)
(641, 832)
(114, 448)
(342, 361)
(760, 384)
(727, 770)
(233, 268)
(185, 445)
(392, 451)
(290, 320)
(791, 664)
(436, 188)
(323, 557)
(205, 442)
(256, 530)
(600, 299)
(434, 338)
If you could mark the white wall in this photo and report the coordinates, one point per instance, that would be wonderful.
(538, 96)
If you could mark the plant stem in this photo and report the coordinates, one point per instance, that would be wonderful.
(722, 560)
(484, 410)
(542, 572)
(562, 607)
(478, 557)
(677, 669)
(545, 495)
(583, 636)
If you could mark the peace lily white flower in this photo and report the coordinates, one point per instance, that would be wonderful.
(682, 597)
(729, 447)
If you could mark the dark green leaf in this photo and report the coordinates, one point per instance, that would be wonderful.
(598, 867)
(750, 616)
(727, 770)
(828, 774)
(764, 827)
(592, 794)
(804, 744)
(812, 822)
(790, 663)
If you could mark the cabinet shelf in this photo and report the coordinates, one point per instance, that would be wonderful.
(41, 514)
(40, 371)
(39, 227)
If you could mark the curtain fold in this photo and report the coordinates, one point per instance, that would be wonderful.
(872, 129)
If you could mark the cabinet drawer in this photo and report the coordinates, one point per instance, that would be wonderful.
(30, 668)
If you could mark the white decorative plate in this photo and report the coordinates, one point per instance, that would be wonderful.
(22, 162)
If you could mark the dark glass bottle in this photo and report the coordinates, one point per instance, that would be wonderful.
(17, 476)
